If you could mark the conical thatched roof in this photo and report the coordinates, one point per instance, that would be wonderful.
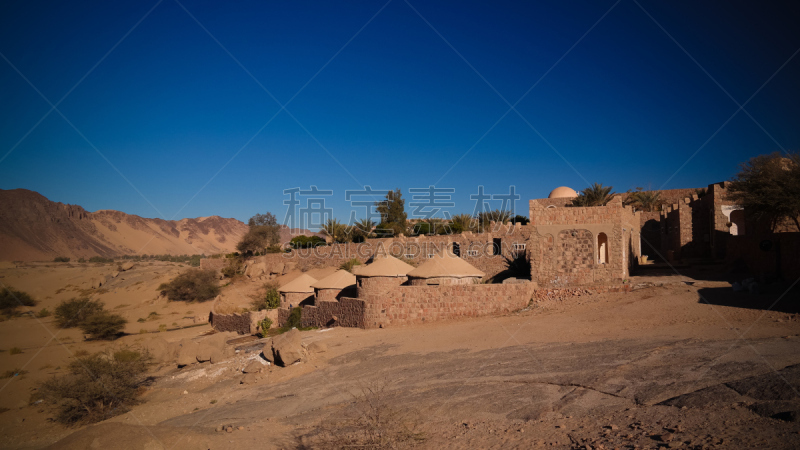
(384, 266)
(447, 265)
(337, 280)
(300, 284)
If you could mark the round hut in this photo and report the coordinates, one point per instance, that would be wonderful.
(384, 272)
(338, 284)
(298, 292)
(445, 268)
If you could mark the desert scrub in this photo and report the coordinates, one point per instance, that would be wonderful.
(270, 300)
(192, 285)
(91, 317)
(71, 313)
(97, 387)
(44, 312)
(12, 373)
(103, 325)
(15, 351)
(11, 299)
(348, 265)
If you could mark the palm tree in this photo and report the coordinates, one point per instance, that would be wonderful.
(336, 230)
(644, 200)
(463, 222)
(595, 195)
(487, 217)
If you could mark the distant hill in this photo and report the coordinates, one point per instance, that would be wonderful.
(35, 228)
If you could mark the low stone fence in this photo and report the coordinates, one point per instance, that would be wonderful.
(242, 323)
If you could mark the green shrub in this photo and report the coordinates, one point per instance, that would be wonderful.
(103, 325)
(270, 300)
(44, 312)
(294, 320)
(15, 350)
(81, 260)
(162, 328)
(100, 259)
(61, 259)
(97, 387)
(11, 298)
(307, 241)
(348, 265)
(193, 285)
(71, 313)
(264, 326)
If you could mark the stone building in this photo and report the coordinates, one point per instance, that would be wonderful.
(338, 284)
(442, 269)
(384, 272)
(298, 292)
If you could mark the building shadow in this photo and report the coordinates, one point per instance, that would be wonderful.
(773, 297)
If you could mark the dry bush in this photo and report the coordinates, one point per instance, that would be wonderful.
(192, 285)
(103, 325)
(73, 312)
(11, 299)
(97, 387)
(371, 422)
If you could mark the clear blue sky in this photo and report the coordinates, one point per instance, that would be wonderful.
(398, 94)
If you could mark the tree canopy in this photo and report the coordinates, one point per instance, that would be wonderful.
(768, 187)
(264, 232)
(393, 213)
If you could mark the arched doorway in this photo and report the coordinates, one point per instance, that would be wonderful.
(602, 248)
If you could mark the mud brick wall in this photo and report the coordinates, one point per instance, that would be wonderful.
(239, 323)
(421, 304)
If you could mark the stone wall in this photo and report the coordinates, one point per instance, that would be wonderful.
(347, 312)
(422, 304)
(243, 323)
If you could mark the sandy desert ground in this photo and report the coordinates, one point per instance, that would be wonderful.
(681, 362)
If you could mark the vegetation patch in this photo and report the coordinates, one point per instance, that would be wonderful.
(270, 300)
(11, 299)
(12, 373)
(192, 285)
(97, 387)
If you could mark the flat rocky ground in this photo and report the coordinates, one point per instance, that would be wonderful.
(678, 363)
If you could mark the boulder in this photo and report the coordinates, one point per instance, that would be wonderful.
(317, 347)
(204, 352)
(161, 350)
(217, 356)
(266, 352)
(287, 348)
(256, 270)
(187, 353)
(96, 283)
(250, 378)
(126, 266)
(114, 274)
(253, 367)
(276, 268)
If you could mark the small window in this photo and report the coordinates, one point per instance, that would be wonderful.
(456, 249)
(472, 253)
(430, 255)
(409, 256)
(519, 247)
